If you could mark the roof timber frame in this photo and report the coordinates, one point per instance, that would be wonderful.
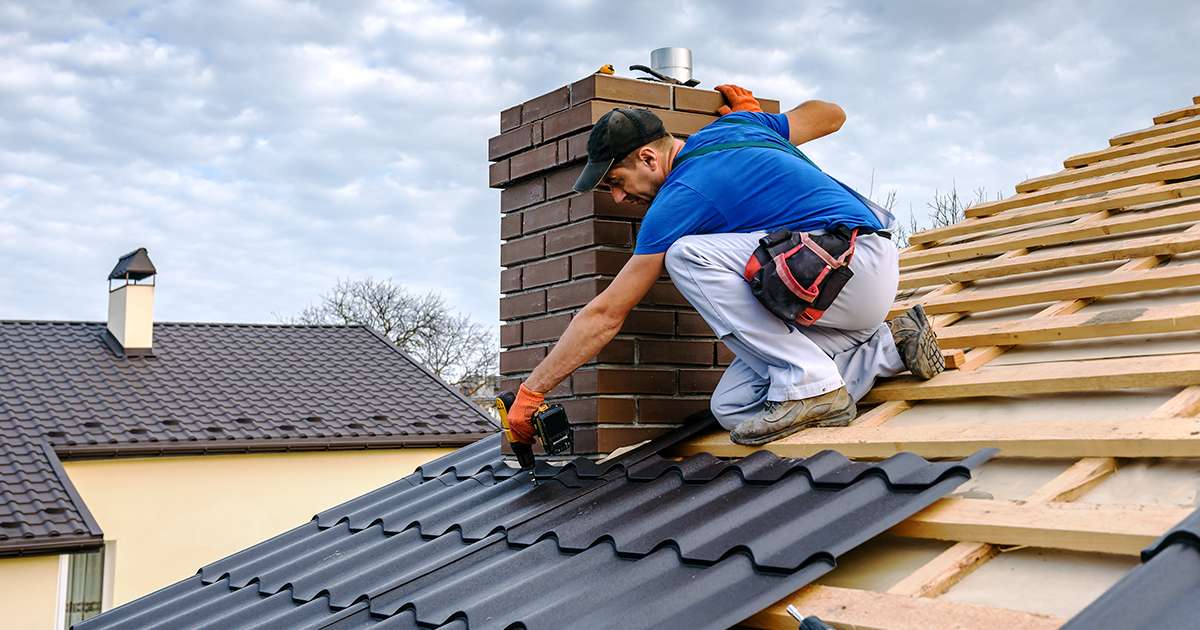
(1146, 180)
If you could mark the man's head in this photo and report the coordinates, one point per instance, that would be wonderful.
(625, 150)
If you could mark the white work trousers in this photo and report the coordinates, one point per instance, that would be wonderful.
(850, 345)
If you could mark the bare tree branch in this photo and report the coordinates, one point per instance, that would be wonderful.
(461, 352)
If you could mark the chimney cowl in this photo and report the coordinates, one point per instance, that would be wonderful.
(135, 265)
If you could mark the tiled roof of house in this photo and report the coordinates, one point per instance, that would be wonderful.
(469, 542)
(208, 388)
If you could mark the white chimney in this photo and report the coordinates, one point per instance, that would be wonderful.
(131, 305)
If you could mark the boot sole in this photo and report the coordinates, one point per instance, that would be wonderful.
(840, 420)
(930, 361)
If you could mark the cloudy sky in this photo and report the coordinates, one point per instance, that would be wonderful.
(263, 149)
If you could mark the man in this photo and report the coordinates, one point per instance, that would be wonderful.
(708, 207)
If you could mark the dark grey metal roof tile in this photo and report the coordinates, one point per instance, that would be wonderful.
(603, 546)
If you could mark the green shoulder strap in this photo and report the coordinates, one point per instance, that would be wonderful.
(738, 145)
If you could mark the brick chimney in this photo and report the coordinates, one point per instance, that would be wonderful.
(562, 248)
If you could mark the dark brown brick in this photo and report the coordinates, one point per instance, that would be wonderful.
(510, 335)
(576, 147)
(725, 356)
(674, 410)
(574, 294)
(560, 183)
(601, 409)
(562, 390)
(545, 216)
(593, 262)
(585, 441)
(601, 204)
(615, 351)
(509, 143)
(699, 381)
(538, 136)
(664, 294)
(649, 322)
(523, 195)
(563, 153)
(707, 101)
(684, 124)
(570, 121)
(609, 439)
(692, 325)
(523, 360)
(524, 305)
(510, 384)
(545, 328)
(499, 174)
(533, 161)
(675, 351)
(510, 118)
(623, 381)
(545, 105)
(540, 274)
(510, 226)
(590, 233)
(631, 91)
(522, 250)
(510, 280)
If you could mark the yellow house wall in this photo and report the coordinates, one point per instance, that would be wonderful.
(169, 516)
(28, 592)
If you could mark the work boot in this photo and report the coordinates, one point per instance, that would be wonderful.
(917, 344)
(778, 419)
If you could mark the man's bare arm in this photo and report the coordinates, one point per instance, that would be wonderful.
(598, 322)
(813, 119)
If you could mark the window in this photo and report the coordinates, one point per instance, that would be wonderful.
(84, 587)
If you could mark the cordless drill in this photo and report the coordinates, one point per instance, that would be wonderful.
(549, 424)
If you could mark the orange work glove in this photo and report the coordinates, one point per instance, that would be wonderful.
(740, 100)
(520, 416)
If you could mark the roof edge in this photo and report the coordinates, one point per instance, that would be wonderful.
(237, 447)
(49, 545)
(76, 498)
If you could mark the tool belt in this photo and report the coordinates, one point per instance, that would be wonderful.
(797, 275)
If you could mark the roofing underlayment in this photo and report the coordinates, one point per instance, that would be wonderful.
(207, 389)
(467, 541)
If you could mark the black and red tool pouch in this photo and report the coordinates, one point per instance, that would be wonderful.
(797, 275)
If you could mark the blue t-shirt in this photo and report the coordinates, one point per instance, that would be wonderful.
(746, 189)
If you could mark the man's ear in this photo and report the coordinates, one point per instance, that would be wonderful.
(649, 157)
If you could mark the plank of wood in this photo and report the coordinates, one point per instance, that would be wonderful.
(947, 569)
(1169, 140)
(1122, 437)
(1176, 114)
(1090, 287)
(1099, 528)
(882, 413)
(952, 565)
(1114, 323)
(1177, 370)
(867, 610)
(1053, 235)
(1146, 175)
(1158, 245)
(1073, 483)
(1158, 156)
(1184, 404)
(1156, 130)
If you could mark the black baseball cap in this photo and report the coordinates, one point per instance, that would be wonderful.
(617, 134)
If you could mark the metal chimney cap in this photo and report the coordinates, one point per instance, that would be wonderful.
(135, 265)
